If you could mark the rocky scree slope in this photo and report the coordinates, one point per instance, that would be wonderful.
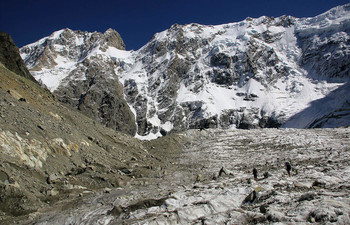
(50, 152)
(259, 72)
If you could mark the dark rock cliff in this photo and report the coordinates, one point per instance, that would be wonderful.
(10, 57)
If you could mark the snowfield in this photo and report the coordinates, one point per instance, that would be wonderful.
(189, 189)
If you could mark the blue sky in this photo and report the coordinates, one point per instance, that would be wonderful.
(137, 20)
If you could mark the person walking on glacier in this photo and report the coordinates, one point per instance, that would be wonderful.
(255, 173)
(288, 168)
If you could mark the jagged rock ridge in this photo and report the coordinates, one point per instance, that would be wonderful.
(255, 73)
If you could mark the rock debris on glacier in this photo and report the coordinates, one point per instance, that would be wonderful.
(316, 191)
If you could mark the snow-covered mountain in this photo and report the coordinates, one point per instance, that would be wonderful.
(80, 68)
(263, 72)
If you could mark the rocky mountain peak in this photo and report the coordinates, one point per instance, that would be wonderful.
(50, 51)
(66, 54)
(111, 38)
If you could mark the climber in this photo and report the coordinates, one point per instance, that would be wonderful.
(288, 167)
(222, 171)
(255, 173)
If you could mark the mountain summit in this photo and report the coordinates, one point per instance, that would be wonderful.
(262, 72)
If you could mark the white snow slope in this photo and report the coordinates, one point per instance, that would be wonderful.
(293, 71)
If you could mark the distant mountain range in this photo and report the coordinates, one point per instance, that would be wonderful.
(257, 73)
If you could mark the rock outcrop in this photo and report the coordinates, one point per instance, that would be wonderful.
(10, 57)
